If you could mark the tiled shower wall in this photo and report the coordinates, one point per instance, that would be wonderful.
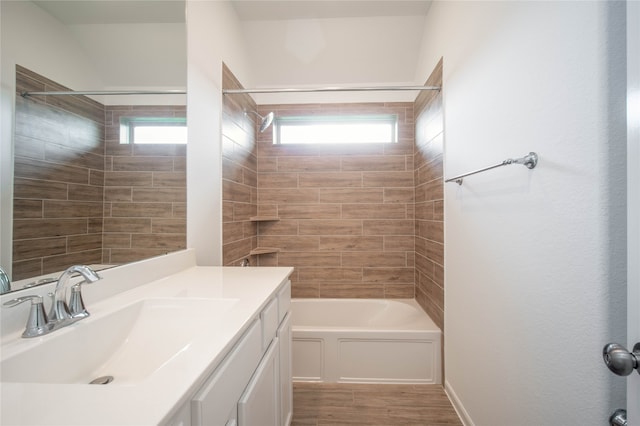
(58, 179)
(144, 190)
(346, 211)
(60, 185)
(429, 225)
(239, 174)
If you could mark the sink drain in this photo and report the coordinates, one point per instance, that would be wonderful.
(104, 380)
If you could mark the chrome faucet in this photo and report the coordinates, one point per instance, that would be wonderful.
(60, 313)
(5, 282)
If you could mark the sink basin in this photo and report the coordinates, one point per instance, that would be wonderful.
(129, 344)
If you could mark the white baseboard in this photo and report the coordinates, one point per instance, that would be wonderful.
(457, 405)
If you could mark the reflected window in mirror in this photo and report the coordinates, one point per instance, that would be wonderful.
(153, 130)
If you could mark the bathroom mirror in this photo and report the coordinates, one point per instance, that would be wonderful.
(132, 202)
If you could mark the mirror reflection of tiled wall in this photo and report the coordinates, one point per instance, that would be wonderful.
(81, 200)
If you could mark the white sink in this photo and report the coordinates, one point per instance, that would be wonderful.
(129, 344)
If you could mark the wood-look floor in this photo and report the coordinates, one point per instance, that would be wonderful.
(364, 404)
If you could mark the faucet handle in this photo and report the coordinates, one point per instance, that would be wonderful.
(37, 323)
(76, 304)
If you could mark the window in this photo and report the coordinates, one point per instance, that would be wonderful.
(336, 129)
(153, 130)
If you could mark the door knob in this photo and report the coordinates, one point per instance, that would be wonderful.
(620, 360)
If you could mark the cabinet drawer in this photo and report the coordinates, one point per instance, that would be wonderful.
(217, 398)
(284, 301)
(269, 317)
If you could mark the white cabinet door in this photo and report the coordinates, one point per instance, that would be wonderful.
(215, 403)
(259, 404)
(286, 391)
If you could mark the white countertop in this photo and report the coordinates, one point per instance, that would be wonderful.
(156, 398)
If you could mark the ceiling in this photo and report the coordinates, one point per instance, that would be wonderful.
(75, 12)
(255, 10)
(78, 12)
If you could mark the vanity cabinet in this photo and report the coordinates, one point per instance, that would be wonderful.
(259, 404)
(252, 385)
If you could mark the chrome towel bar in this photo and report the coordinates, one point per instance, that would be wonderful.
(530, 161)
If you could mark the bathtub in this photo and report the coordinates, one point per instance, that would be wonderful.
(364, 341)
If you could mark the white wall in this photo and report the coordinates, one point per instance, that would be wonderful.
(213, 37)
(367, 51)
(534, 259)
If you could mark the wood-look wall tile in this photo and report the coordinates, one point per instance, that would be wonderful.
(374, 259)
(330, 274)
(168, 226)
(171, 179)
(54, 264)
(267, 164)
(388, 179)
(73, 157)
(233, 191)
(235, 251)
(330, 227)
(29, 249)
(141, 209)
(374, 163)
(330, 180)
(244, 211)
(114, 240)
(308, 164)
(231, 171)
(278, 180)
(290, 243)
(309, 211)
(374, 211)
(164, 195)
(27, 209)
(350, 243)
(163, 241)
(117, 194)
(85, 192)
(26, 269)
(399, 243)
(388, 227)
(77, 243)
(96, 177)
(288, 196)
(42, 228)
(68, 209)
(95, 225)
(302, 259)
(136, 164)
(399, 291)
(388, 275)
(305, 290)
(39, 189)
(351, 290)
(180, 210)
(28, 147)
(132, 225)
(137, 179)
(42, 170)
(350, 195)
(179, 164)
(399, 195)
(232, 231)
(281, 227)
